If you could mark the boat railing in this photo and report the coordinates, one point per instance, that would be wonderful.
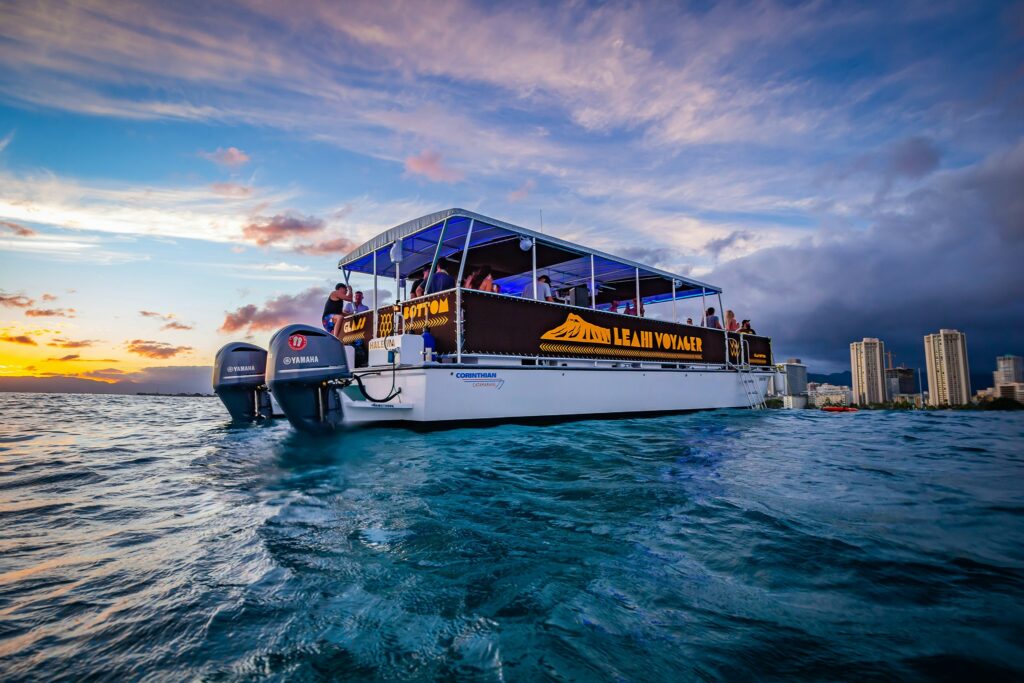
(467, 322)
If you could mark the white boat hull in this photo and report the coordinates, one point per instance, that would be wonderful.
(447, 393)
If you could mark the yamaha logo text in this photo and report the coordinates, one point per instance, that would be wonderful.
(295, 360)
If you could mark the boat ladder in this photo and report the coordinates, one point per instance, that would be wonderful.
(755, 400)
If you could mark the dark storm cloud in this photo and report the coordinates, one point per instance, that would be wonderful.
(947, 255)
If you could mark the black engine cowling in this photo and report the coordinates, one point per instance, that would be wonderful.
(239, 379)
(303, 359)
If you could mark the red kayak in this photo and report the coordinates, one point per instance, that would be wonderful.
(838, 409)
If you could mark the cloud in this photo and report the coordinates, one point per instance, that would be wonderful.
(70, 356)
(944, 255)
(429, 165)
(914, 157)
(6, 140)
(18, 229)
(231, 157)
(279, 228)
(175, 325)
(231, 189)
(716, 246)
(171, 379)
(50, 313)
(63, 343)
(155, 349)
(18, 339)
(15, 300)
(522, 192)
(161, 316)
(48, 297)
(334, 247)
(277, 312)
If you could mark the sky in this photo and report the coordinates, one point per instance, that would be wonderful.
(174, 176)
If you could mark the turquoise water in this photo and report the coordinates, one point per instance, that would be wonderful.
(143, 537)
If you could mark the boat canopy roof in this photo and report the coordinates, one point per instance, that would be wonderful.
(506, 248)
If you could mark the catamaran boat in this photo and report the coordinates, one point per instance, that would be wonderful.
(462, 355)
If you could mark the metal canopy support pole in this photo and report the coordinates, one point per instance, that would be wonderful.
(533, 251)
(725, 332)
(398, 308)
(636, 311)
(375, 303)
(593, 287)
(675, 318)
(437, 255)
(703, 309)
(465, 253)
(458, 294)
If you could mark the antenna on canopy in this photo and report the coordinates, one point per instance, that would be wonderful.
(541, 221)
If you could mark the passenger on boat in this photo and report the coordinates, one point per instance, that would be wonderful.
(544, 289)
(629, 309)
(689, 321)
(420, 283)
(496, 288)
(614, 308)
(638, 308)
(482, 278)
(745, 328)
(711, 320)
(441, 280)
(731, 324)
(357, 305)
(334, 308)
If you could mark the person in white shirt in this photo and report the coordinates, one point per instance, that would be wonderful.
(357, 305)
(544, 289)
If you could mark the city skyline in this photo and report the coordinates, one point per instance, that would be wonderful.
(167, 186)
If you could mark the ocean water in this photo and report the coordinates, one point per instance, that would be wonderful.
(145, 538)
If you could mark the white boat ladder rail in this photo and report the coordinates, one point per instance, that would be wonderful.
(751, 386)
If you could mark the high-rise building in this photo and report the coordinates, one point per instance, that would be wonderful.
(899, 381)
(1009, 370)
(949, 378)
(867, 366)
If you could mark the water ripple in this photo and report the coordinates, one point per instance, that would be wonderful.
(148, 539)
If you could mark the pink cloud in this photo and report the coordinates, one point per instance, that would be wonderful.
(18, 229)
(522, 192)
(338, 246)
(429, 165)
(302, 307)
(15, 300)
(231, 190)
(50, 313)
(266, 231)
(175, 325)
(155, 349)
(232, 156)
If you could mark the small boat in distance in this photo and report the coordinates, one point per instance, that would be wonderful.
(462, 354)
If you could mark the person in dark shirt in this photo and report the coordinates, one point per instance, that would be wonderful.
(745, 328)
(441, 279)
(419, 284)
(334, 308)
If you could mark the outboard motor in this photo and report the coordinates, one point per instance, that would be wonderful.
(303, 359)
(239, 379)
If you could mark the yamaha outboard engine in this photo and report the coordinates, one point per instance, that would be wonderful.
(239, 378)
(303, 361)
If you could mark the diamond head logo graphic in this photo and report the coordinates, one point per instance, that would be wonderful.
(576, 329)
